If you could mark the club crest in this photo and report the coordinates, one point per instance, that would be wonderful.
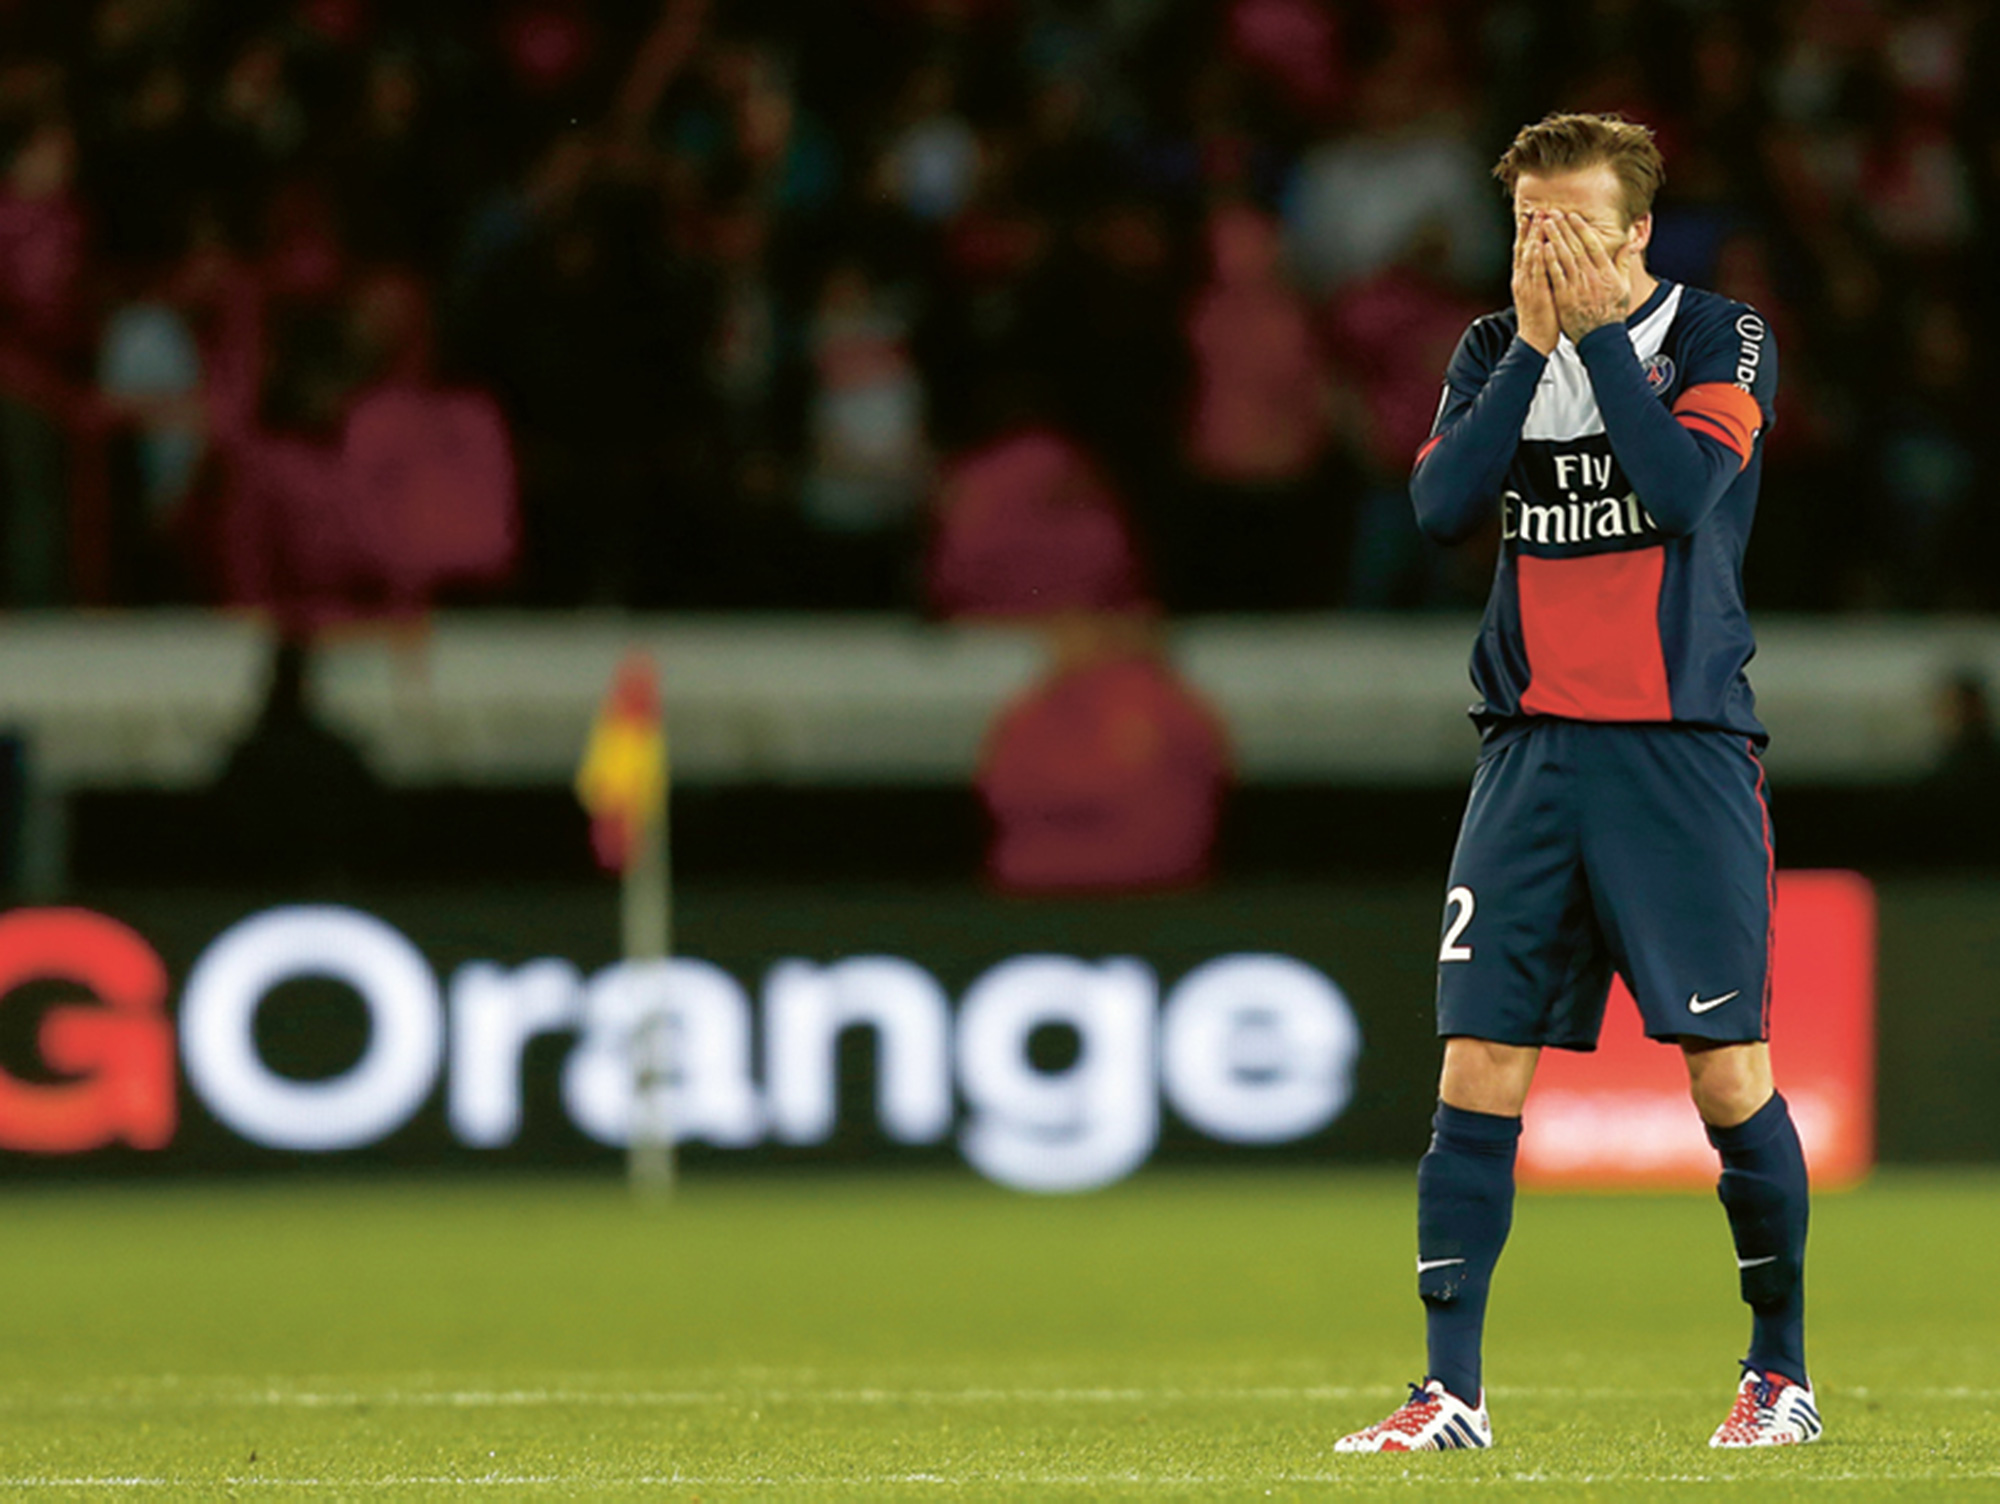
(1659, 369)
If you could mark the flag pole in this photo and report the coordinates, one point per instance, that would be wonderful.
(646, 897)
(623, 782)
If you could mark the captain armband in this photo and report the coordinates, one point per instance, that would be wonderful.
(1722, 412)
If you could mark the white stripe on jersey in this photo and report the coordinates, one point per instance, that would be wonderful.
(1564, 407)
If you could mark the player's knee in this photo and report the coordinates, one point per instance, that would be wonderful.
(1481, 1076)
(1729, 1083)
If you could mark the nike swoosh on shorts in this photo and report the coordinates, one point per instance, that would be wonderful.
(1699, 1004)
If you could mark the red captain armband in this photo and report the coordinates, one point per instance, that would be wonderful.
(1722, 412)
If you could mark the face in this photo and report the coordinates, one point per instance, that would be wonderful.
(1593, 192)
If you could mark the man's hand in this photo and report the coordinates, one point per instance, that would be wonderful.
(1534, 298)
(1592, 286)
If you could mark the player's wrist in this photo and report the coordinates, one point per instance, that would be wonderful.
(1593, 337)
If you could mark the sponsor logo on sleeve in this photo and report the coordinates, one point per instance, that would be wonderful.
(1750, 354)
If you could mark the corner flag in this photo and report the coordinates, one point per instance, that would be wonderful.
(623, 784)
(622, 781)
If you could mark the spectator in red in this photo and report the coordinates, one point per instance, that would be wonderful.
(368, 487)
(42, 247)
(1255, 527)
(1027, 524)
(1391, 333)
(1109, 775)
(429, 464)
(1297, 45)
(282, 532)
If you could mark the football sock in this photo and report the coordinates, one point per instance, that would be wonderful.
(1465, 1204)
(1763, 1188)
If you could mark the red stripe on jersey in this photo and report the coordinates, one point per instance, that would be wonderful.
(1770, 887)
(1429, 445)
(1695, 423)
(1723, 412)
(1591, 626)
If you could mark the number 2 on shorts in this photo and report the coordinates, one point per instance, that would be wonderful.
(1461, 901)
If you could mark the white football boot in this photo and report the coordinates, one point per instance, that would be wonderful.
(1770, 1411)
(1434, 1420)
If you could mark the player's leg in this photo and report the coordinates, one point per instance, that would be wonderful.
(1518, 952)
(1465, 1200)
(1764, 1190)
(1465, 1207)
(1678, 843)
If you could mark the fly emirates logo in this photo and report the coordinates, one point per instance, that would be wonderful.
(1585, 512)
(1244, 1048)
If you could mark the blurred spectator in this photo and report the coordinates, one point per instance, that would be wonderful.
(995, 251)
(42, 239)
(297, 801)
(634, 208)
(1025, 524)
(751, 122)
(367, 486)
(145, 159)
(1929, 469)
(591, 332)
(1811, 502)
(1107, 307)
(1259, 522)
(149, 363)
(429, 464)
(1392, 335)
(1408, 163)
(932, 163)
(283, 534)
(868, 458)
(1296, 44)
(1952, 814)
(754, 375)
(259, 123)
(399, 194)
(1109, 775)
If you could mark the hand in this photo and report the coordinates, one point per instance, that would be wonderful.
(1534, 299)
(1592, 286)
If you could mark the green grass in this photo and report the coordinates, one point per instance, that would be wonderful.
(1185, 1336)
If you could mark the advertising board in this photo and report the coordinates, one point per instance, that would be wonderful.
(1620, 1117)
(1053, 1048)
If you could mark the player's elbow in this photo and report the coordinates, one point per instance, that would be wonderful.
(1682, 516)
(1672, 524)
(1446, 519)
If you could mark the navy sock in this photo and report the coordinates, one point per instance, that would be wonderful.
(1465, 1205)
(1763, 1188)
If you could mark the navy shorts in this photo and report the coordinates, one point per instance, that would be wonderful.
(1591, 848)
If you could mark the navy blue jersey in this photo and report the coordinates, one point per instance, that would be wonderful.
(1624, 470)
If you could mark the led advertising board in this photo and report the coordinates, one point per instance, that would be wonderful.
(1249, 1048)
(1052, 1049)
(1620, 1116)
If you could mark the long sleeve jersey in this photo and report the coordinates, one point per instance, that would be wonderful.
(1624, 469)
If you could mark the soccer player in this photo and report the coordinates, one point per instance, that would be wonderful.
(1617, 818)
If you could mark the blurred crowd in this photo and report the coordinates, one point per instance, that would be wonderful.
(1001, 307)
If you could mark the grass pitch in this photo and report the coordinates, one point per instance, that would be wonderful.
(1198, 1336)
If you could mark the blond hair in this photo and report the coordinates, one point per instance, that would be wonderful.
(1562, 143)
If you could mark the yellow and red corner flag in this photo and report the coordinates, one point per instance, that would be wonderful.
(623, 778)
